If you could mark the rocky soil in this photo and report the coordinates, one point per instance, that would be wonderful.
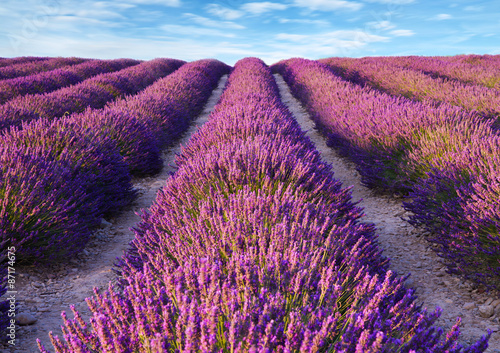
(407, 248)
(43, 293)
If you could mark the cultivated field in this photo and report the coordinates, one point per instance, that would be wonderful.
(250, 208)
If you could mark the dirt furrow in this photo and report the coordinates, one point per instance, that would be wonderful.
(45, 293)
(407, 248)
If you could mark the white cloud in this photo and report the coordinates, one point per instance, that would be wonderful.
(474, 8)
(333, 37)
(195, 31)
(381, 25)
(291, 37)
(258, 8)
(91, 13)
(328, 5)
(171, 3)
(211, 23)
(333, 43)
(441, 17)
(223, 12)
(394, 2)
(402, 32)
(304, 21)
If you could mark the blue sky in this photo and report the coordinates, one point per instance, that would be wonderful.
(232, 29)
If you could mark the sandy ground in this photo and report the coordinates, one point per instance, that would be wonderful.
(406, 246)
(45, 293)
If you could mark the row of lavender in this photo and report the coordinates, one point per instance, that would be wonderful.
(396, 80)
(438, 68)
(94, 93)
(21, 59)
(252, 246)
(52, 80)
(29, 68)
(59, 177)
(486, 61)
(446, 160)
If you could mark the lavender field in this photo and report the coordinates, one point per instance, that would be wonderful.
(251, 244)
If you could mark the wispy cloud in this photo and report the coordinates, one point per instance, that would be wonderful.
(223, 12)
(211, 23)
(402, 33)
(343, 37)
(194, 31)
(258, 8)
(394, 2)
(171, 3)
(474, 8)
(341, 42)
(328, 5)
(441, 17)
(304, 21)
(381, 25)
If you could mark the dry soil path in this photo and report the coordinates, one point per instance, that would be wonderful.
(45, 293)
(407, 248)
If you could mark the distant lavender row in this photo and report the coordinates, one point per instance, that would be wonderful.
(437, 68)
(30, 68)
(94, 93)
(416, 85)
(252, 245)
(443, 156)
(52, 80)
(19, 60)
(486, 61)
(144, 123)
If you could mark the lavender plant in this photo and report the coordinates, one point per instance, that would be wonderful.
(29, 68)
(45, 209)
(168, 106)
(416, 85)
(438, 68)
(441, 156)
(20, 60)
(94, 93)
(107, 178)
(52, 80)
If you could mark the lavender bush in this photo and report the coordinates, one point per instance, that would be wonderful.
(255, 255)
(168, 106)
(29, 68)
(45, 210)
(20, 60)
(96, 155)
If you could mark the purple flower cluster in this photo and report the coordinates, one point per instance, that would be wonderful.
(168, 106)
(30, 68)
(94, 93)
(252, 245)
(52, 80)
(58, 177)
(144, 123)
(485, 61)
(441, 156)
(389, 78)
(437, 68)
(20, 60)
